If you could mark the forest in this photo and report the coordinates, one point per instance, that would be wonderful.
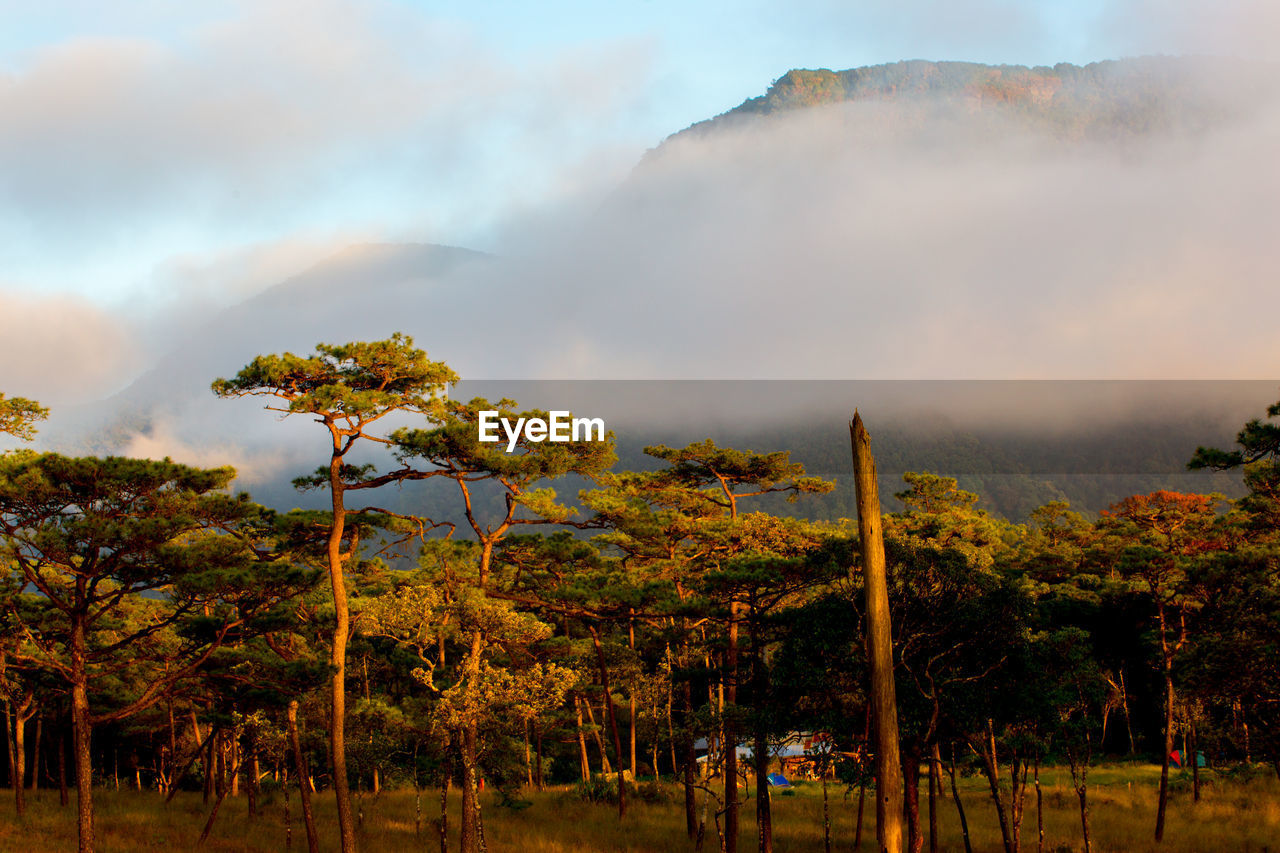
(660, 640)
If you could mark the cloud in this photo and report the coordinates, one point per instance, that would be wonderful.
(268, 119)
(62, 348)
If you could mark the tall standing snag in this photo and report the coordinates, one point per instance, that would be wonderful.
(884, 707)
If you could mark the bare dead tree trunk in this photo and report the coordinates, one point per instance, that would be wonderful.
(879, 642)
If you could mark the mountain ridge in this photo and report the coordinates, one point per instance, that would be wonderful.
(1114, 96)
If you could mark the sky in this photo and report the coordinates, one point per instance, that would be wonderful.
(162, 161)
(152, 148)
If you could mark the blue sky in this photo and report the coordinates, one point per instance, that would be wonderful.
(155, 152)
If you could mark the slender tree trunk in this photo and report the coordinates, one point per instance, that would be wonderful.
(1080, 781)
(631, 643)
(583, 761)
(955, 795)
(986, 749)
(254, 773)
(338, 655)
(935, 790)
(528, 756)
(469, 829)
(35, 757)
(1039, 809)
(537, 754)
(1128, 723)
(6, 707)
(760, 746)
(82, 730)
(826, 815)
(911, 797)
(288, 818)
(862, 799)
(210, 760)
(21, 714)
(63, 797)
(879, 642)
(1195, 764)
(613, 720)
(689, 763)
(605, 767)
(202, 748)
(1017, 799)
(1167, 660)
(446, 776)
(304, 788)
(730, 733)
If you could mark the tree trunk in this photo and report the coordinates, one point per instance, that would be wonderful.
(730, 734)
(1080, 781)
(469, 830)
(1039, 809)
(1167, 660)
(688, 764)
(826, 815)
(862, 799)
(613, 720)
(1195, 764)
(35, 757)
(955, 795)
(911, 798)
(605, 767)
(288, 818)
(82, 731)
(935, 790)
(879, 642)
(338, 655)
(63, 797)
(986, 749)
(764, 811)
(446, 776)
(583, 761)
(304, 789)
(254, 774)
(1128, 723)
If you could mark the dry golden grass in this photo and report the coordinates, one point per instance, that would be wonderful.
(1232, 816)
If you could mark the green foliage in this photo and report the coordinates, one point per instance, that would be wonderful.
(18, 416)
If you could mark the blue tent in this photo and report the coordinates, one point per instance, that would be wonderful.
(777, 780)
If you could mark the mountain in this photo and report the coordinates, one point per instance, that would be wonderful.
(913, 221)
(1114, 98)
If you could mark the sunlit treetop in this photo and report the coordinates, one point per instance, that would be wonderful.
(18, 416)
(347, 385)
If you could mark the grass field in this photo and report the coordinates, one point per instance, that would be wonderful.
(1233, 815)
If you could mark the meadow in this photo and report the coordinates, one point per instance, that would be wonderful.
(1234, 814)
